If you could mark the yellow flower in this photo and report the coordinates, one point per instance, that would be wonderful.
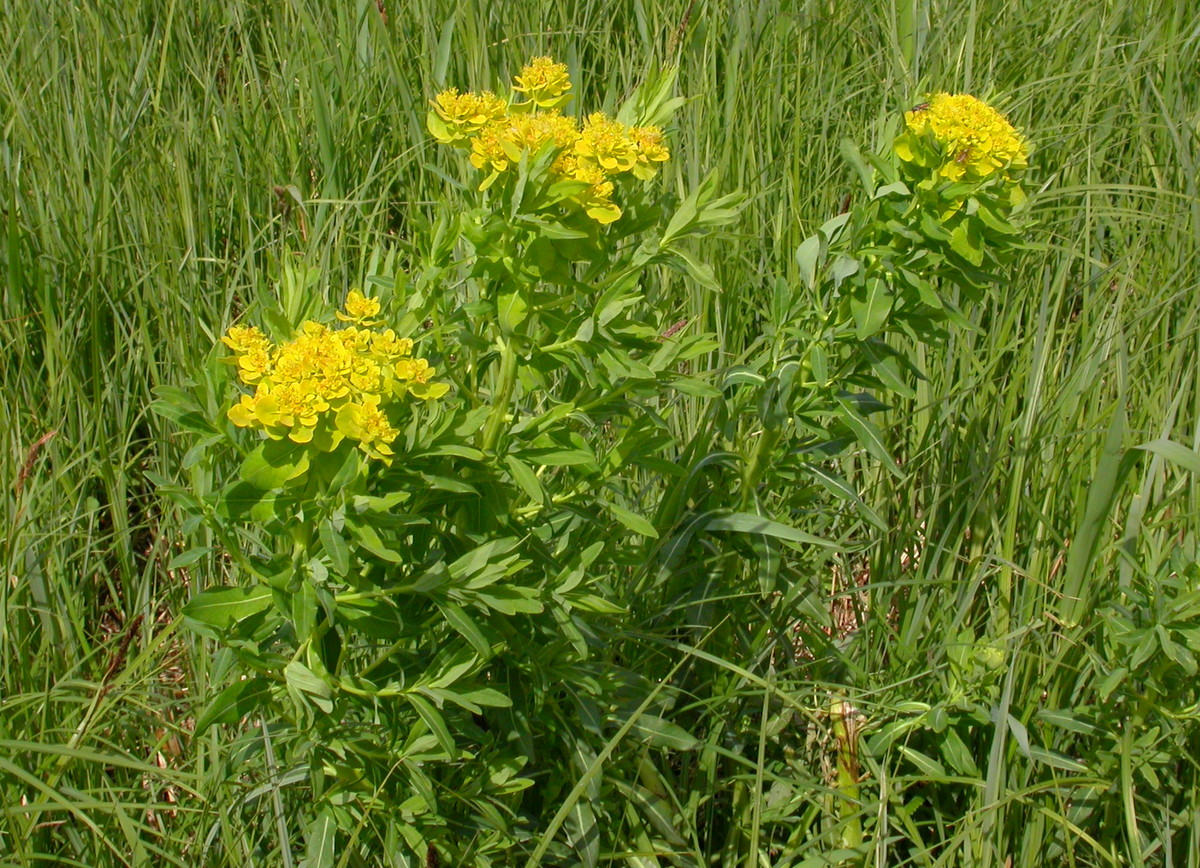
(596, 199)
(606, 145)
(388, 347)
(369, 425)
(300, 409)
(243, 339)
(314, 354)
(413, 370)
(358, 308)
(366, 376)
(500, 144)
(649, 147)
(251, 352)
(544, 82)
(246, 413)
(530, 132)
(326, 385)
(973, 140)
(456, 116)
(488, 151)
(254, 364)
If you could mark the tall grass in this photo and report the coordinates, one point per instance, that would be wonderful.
(159, 160)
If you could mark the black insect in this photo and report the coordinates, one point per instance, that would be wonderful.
(919, 108)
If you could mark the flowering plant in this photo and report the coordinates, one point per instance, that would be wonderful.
(588, 158)
(421, 557)
(429, 570)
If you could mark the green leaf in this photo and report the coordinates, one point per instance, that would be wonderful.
(241, 501)
(306, 681)
(320, 837)
(304, 611)
(488, 697)
(1176, 453)
(510, 600)
(701, 272)
(335, 548)
(511, 311)
(839, 487)
(525, 478)
(808, 256)
(583, 833)
(744, 522)
(870, 307)
(843, 267)
(216, 609)
(966, 243)
(433, 719)
(681, 220)
(238, 700)
(559, 457)
(177, 406)
(854, 157)
(273, 463)
(633, 521)
(1066, 720)
(370, 540)
(441, 60)
(869, 435)
(458, 618)
(1056, 760)
(957, 754)
(896, 188)
(660, 732)
(927, 764)
(376, 617)
(186, 559)
(1111, 469)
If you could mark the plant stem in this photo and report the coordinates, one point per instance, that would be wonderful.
(767, 441)
(845, 732)
(501, 396)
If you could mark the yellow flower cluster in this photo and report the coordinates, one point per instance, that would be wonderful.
(972, 140)
(497, 134)
(325, 385)
(544, 83)
(461, 115)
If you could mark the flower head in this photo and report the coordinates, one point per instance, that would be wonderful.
(605, 144)
(500, 135)
(961, 138)
(596, 198)
(457, 116)
(544, 82)
(326, 385)
(649, 147)
(244, 339)
(358, 308)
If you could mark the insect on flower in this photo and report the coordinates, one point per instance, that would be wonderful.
(962, 155)
(919, 108)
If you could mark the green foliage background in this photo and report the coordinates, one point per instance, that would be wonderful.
(1022, 651)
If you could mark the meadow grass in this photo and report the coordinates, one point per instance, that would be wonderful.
(157, 162)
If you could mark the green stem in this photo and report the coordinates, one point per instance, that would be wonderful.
(845, 732)
(752, 473)
(501, 397)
